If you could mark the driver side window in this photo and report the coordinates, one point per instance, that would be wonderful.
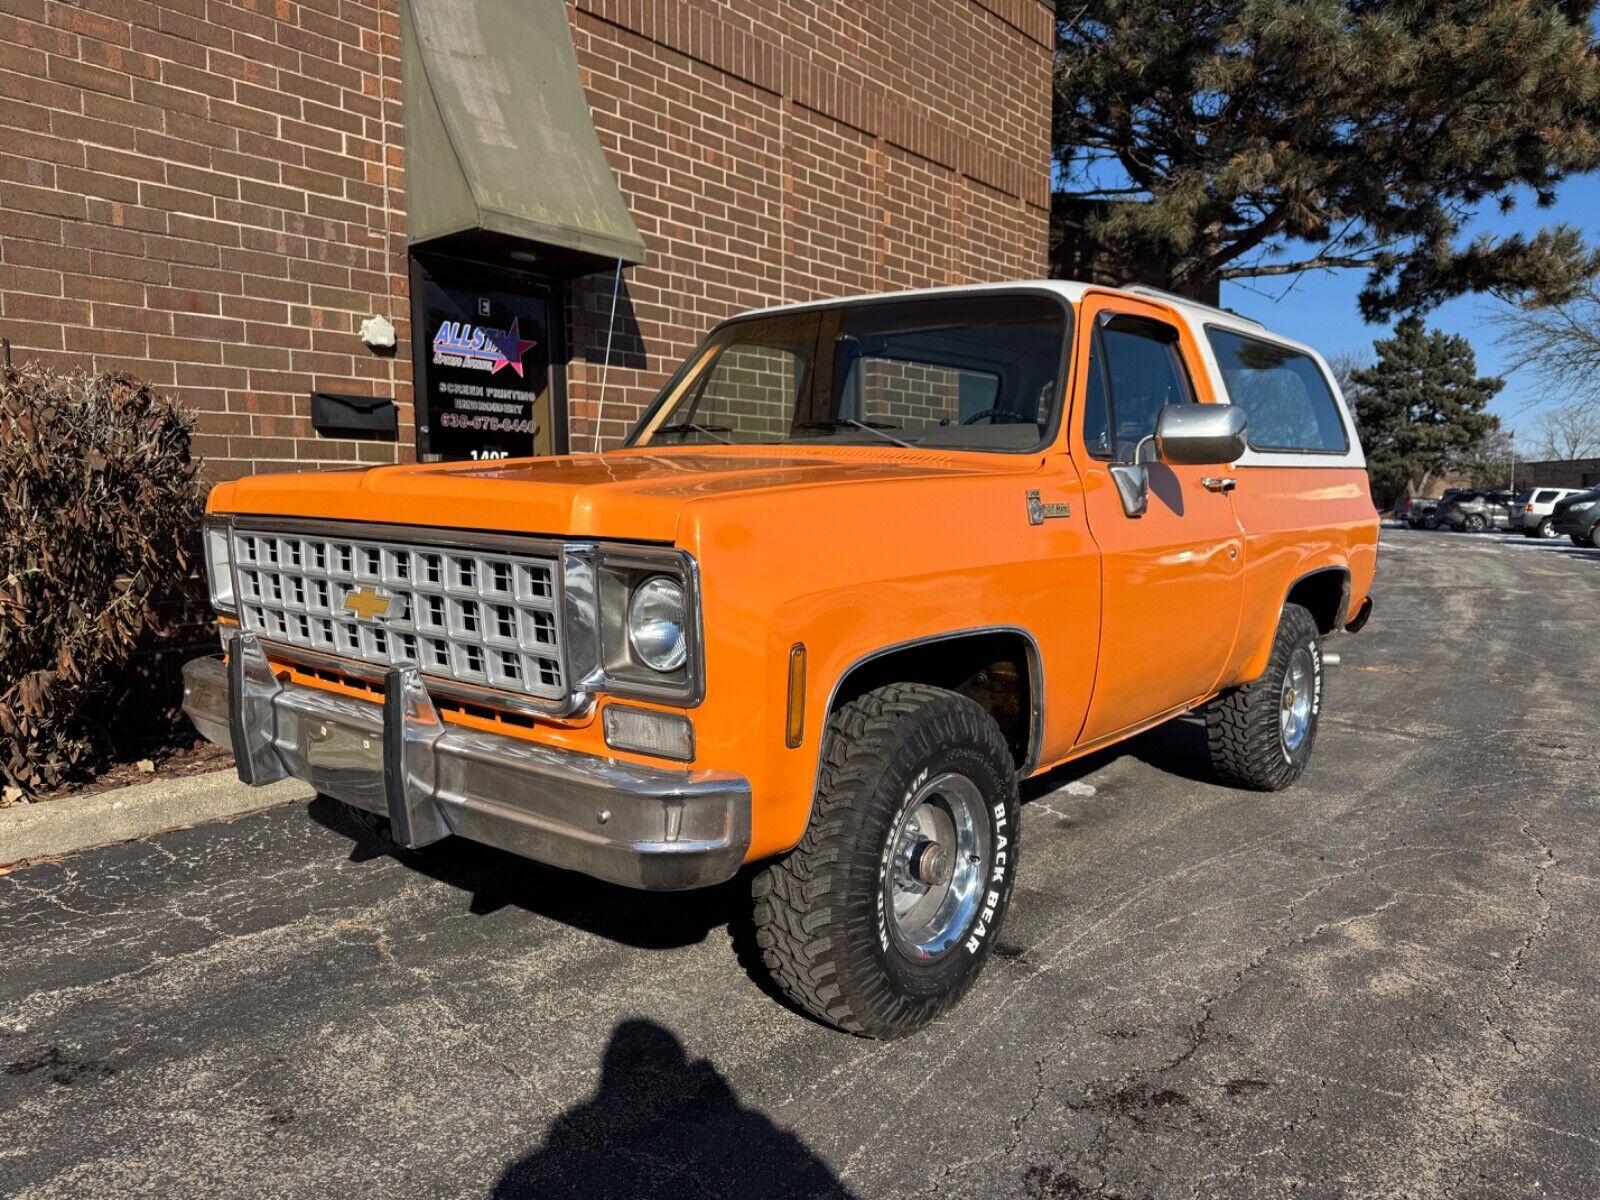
(1135, 370)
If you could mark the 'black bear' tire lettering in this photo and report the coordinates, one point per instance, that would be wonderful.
(918, 790)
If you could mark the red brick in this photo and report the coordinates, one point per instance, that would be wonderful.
(130, 166)
(122, 266)
(98, 183)
(41, 200)
(29, 279)
(106, 341)
(32, 335)
(26, 306)
(90, 24)
(104, 288)
(88, 77)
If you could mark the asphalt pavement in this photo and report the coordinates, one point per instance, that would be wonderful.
(1379, 983)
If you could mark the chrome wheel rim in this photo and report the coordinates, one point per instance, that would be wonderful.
(938, 860)
(1294, 708)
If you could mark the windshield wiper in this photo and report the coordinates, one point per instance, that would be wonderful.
(874, 428)
(711, 431)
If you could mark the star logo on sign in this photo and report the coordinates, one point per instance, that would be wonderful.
(510, 345)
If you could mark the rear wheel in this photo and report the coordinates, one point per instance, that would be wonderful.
(1594, 535)
(1260, 735)
(884, 914)
(1547, 528)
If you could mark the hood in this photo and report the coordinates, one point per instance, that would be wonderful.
(639, 495)
(1573, 501)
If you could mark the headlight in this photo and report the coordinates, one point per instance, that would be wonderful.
(633, 615)
(219, 565)
(1584, 507)
(658, 624)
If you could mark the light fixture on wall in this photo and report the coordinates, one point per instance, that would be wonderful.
(378, 332)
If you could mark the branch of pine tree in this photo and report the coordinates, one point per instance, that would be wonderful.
(1321, 262)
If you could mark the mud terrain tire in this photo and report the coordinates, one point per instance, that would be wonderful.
(827, 920)
(1246, 729)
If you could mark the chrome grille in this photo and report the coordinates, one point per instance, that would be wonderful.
(484, 618)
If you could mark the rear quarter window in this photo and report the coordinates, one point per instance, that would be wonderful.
(1283, 393)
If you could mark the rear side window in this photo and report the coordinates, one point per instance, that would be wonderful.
(1546, 497)
(1283, 393)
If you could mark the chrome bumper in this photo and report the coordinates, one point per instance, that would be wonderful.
(643, 827)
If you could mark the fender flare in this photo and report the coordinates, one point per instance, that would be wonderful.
(1036, 693)
(1257, 662)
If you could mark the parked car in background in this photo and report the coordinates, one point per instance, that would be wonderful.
(1472, 511)
(1430, 511)
(1536, 508)
(1415, 510)
(1579, 518)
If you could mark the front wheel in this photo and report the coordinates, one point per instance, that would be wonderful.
(1474, 524)
(1578, 539)
(884, 914)
(1260, 735)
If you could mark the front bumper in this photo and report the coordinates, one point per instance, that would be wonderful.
(1576, 524)
(644, 827)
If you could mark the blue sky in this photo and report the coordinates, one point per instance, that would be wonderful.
(1320, 309)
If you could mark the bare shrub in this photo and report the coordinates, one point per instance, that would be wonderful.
(99, 528)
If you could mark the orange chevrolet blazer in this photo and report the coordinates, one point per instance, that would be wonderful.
(862, 567)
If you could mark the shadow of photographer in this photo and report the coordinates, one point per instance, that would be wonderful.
(663, 1126)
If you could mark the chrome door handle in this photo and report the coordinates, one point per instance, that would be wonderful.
(1212, 483)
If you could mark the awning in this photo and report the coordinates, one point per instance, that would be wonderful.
(500, 150)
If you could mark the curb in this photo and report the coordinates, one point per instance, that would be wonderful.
(57, 827)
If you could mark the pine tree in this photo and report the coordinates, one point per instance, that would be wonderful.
(1421, 407)
(1244, 138)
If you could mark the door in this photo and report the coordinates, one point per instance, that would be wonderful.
(1172, 579)
(486, 360)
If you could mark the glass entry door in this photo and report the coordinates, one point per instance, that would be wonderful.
(485, 362)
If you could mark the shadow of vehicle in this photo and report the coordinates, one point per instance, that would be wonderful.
(1176, 747)
(495, 879)
(662, 1126)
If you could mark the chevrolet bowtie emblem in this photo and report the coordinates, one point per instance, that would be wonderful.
(367, 605)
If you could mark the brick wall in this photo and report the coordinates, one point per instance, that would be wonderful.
(1567, 472)
(210, 193)
(772, 152)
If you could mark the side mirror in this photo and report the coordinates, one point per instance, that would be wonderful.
(1200, 435)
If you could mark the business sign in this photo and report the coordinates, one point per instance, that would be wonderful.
(484, 385)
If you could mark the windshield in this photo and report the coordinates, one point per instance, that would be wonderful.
(976, 372)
